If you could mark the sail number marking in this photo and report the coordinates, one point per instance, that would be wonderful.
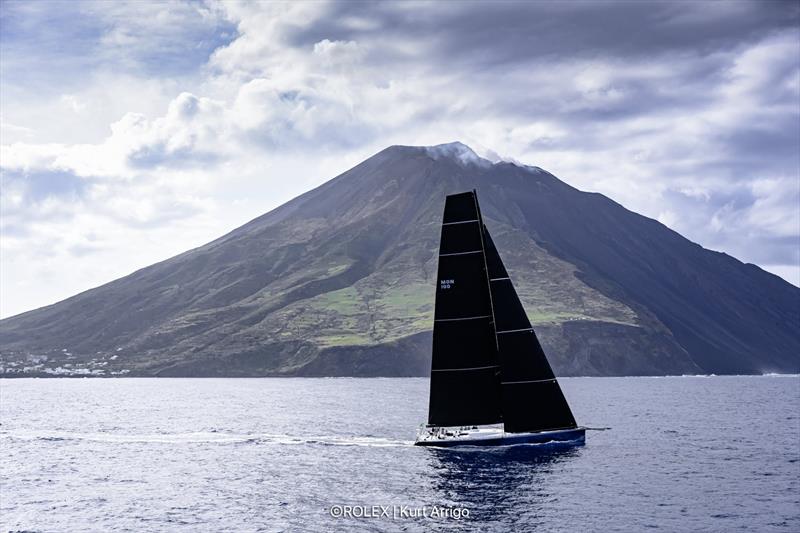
(446, 283)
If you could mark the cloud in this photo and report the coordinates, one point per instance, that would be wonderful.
(166, 124)
(47, 42)
(190, 134)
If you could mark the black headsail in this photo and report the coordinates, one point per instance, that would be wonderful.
(531, 399)
(464, 371)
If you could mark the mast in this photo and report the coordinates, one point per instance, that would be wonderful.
(531, 398)
(464, 367)
(485, 264)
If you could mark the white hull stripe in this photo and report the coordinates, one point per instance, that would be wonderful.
(465, 318)
(459, 222)
(498, 279)
(463, 369)
(514, 330)
(531, 381)
(463, 253)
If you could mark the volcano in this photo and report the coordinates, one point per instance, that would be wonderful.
(340, 282)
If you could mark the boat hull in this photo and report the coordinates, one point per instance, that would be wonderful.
(561, 436)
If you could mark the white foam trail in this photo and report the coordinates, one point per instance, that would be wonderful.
(209, 438)
(167, 438)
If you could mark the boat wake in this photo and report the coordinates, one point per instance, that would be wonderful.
(223, 438)
(209, 437)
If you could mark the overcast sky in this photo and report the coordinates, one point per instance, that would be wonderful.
(134, 131)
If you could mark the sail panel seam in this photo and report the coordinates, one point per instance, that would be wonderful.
(463, 369)
(514, 330)
(498, 279)
(462, 253)
(529, 381)
(459, 222)
(462, 318)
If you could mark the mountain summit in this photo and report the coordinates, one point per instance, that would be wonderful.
(456, 151)
(340, 281)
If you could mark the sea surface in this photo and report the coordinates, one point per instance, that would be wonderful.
(681, 454)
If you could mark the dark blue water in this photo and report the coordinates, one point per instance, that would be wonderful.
(683, 454)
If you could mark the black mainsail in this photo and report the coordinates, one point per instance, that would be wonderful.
(465, 384)
(488, 365)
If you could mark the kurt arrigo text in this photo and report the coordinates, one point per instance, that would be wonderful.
(395, 512)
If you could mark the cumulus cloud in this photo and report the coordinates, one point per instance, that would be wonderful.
(166, 124)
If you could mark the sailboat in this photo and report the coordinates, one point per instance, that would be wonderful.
(491, 383)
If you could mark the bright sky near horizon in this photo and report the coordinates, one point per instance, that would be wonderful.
(132, 131)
